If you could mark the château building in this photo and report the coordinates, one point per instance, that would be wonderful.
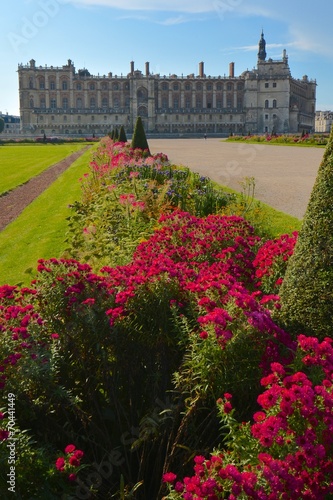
(323, 121)
(63, 100)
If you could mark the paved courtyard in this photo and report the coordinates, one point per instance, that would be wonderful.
(284, 175)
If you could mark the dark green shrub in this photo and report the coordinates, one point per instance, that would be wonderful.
(139, 139)
(122, 134)
(307, 292)
(2, 124)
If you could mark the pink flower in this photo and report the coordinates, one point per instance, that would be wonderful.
(60, 464)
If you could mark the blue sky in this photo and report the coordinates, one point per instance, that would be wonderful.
(173, 35)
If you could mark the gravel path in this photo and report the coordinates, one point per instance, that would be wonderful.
(284, 175)
(15, 201)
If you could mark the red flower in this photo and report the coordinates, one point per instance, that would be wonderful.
(169, 477)
(60, 464)
(70, 448)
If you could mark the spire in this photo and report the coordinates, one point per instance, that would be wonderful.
(262, 48)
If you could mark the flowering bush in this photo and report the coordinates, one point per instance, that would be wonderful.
(124, 195)
(271, 261)
(287, 451)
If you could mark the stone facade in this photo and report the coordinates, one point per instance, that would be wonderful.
(61, 100)
(12, 126)
(324, 122)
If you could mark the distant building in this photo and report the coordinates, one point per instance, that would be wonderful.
(61, 100)
(12, 125)
(323, 121)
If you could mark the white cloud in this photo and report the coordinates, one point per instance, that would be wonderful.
(190, 6)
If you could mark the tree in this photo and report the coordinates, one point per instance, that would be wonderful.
(139, 139)
(122, 134)
(307, 290)
(116, 135)
(2, 124)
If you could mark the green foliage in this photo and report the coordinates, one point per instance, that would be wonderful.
(122, 134)
(307, 293)
(139, 139)
(116, 134)
(2, 124)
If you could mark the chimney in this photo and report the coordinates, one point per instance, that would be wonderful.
(201, 69)
(147, 68)
(232, 70)
(132, 67)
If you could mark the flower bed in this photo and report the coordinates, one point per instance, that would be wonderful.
(155, 359)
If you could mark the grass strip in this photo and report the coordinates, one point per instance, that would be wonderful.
(39, 231)
(20, 163)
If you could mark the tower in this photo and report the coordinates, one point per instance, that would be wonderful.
(262, 48)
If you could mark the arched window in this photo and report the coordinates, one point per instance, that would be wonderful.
(266, 104)
(104, 102)
(274, 103)
(64, 85)
(116, 102)
(92, 102)
(52, 85)
(65, 103)
(53, 103)
(78, 86)
(92, 86)
(31, 102)
(42, 102)
(79, 103)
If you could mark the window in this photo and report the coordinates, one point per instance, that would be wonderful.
(65, 118)
(31, 85)
(116, 102)
(164, 86)
(266, 117)
(198, 102)
(199, 86)
(229, 102)
(104, 102)
(164, 102)
(187, 103)
(175, 86)
(187, 86)
(65, 103)
(92, 86)
(53, 103)
(92, 118)
(78, 86)
(92, 102)
(177, 117)
(79, 118)
(115, 86)
(266, 104)
(229, 86)
(104, 86)
(239, 86)
(274, 116)
(105, 118)
(79, 103)
(219, 86)
(41, 118)
(116, 118)
(209, 105)
(266, 85)
(188, 118)
(52, 85)
(274, 84)
(274, 103)
(42, 83)
(219, 103)
(209, 86)
(175, 103)
(52, 118)
(42, 103)
(64, 85)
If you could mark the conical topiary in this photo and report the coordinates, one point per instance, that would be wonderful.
(116, 135)
(139, 139)
(307, 290)
(122, 134)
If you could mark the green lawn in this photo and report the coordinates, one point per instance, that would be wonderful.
(39, 232)
(18, 163)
